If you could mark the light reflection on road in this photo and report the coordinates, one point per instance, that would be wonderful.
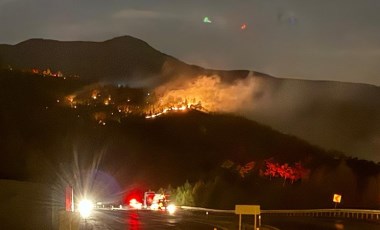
(339, 225)
(312, 223)
(143, 220)
(133, 221)
(153, 220)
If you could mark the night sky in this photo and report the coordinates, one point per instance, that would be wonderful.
(316, 39)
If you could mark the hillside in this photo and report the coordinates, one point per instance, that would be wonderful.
(123, 59)
(34, 112)
(332, 115)
(222, 155)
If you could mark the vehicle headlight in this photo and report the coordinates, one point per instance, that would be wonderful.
(154, 206)
(171, 208)
(85, 208)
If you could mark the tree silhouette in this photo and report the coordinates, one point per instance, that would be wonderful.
(184, 194)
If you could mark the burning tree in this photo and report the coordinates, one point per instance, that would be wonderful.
(271, 169)
(285, 171)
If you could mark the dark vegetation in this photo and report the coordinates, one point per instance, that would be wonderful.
(334, 115)
(41, 138)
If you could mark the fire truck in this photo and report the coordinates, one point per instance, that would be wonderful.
(154, 201)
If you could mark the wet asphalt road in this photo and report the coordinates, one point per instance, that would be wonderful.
(312, 223)
(184, 220)
(145, 220)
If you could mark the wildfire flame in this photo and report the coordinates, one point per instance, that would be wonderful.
(202, 93)
(206, 93)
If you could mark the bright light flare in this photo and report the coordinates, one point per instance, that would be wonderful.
(171, 208)
(154, 206)
(85, 208)
(135, 204)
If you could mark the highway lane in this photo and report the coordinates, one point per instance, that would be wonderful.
(314, 223)
(147, 220)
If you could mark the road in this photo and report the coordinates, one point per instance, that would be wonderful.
(313, 223)
(149, 220)
(146, 220)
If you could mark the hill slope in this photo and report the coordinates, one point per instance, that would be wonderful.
(113, 59)
(333, 115)
(225, 156)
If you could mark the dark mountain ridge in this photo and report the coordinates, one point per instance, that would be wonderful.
(333, 115)
(224, 155)
(90, 60)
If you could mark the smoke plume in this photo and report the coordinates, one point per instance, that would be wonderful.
(333, 115)
(210, 92)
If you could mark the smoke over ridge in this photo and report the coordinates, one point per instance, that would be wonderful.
(333, 115)
(211, 92)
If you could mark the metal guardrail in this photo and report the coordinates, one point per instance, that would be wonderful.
(341, 213)
(361, 214)
(206, 209)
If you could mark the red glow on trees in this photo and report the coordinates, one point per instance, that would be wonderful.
(285, 171)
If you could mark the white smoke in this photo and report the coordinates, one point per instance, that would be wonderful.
(315, 111)
(211, 92)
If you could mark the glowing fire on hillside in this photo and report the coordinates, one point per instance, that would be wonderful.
(169, 109)
(204, 93)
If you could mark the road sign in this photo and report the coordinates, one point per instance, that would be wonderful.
(337, 198)
(247, 210)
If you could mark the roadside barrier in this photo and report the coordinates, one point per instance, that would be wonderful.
(358, 214)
